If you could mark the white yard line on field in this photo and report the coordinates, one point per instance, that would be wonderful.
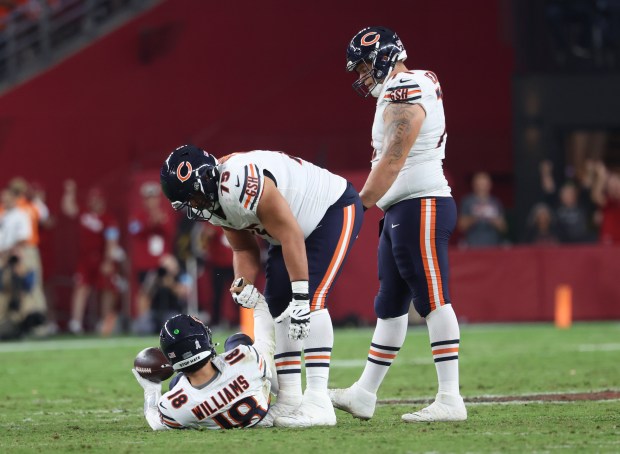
(75, 344)
(598, 348)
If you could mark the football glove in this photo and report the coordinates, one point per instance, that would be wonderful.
(147, 385)
(299, 312)
(245, 294)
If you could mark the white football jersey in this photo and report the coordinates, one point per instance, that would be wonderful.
(422, 175)
(237, 397)
(309, 190)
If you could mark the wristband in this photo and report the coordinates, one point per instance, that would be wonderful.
(300, 290)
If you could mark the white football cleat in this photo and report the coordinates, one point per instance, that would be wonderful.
(447, 407)
(315, 410)
(355, 400)
(277, 409)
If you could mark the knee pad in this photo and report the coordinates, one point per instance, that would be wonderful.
(390, 308)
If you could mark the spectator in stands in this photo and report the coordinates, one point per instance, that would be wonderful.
(606, 194)
(151, 231)
(99, 258)
(167, 289)
(482, 216)
(572, 207)
(541, 226)
(19, 311)
(37, 214)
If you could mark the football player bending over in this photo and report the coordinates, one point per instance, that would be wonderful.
(408, 184)
(311, 218)
(212, 391)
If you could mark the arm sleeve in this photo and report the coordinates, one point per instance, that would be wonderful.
(151, 411)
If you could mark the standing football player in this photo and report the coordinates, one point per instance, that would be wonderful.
(311, 219)
(212, 391)
(408, 184)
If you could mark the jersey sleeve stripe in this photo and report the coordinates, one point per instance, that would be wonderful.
(255, 352)
(258, 190)
(245, 182)
(409, 95)
(168, 421)
(398, 87)
(249, 197)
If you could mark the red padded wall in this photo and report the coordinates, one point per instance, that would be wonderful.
(232, 76)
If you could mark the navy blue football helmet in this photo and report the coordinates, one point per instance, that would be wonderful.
(189, 178)
(186, 341)
(379, 48)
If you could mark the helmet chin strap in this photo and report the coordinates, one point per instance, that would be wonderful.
(376, 91)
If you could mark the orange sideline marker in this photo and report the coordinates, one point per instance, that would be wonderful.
(563, 306)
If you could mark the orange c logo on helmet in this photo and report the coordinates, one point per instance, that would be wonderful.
(185, 177)
(372, 41)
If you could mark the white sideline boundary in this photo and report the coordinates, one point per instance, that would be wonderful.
(76, 344)
(586, 348)
(516, 399)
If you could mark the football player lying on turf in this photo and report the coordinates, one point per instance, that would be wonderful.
(213, 391)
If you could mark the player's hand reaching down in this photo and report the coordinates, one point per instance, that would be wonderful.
(245, 294)
(299, 312)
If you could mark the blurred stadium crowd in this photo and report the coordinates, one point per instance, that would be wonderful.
(155, 279)
(168, 253)
(581, 208)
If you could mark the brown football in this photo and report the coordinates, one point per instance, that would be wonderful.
(152, 364)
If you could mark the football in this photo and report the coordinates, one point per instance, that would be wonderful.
(152, 364)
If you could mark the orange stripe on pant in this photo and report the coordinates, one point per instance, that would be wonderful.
(434, 252)
(423, 252)
(429, 252)
(318, 301)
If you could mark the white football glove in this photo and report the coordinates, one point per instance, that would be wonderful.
(147, 385)
(299, 312)
(245, 294)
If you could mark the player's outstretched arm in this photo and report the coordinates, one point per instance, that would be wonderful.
(402, 126)
(278, 219)
(152, 393)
